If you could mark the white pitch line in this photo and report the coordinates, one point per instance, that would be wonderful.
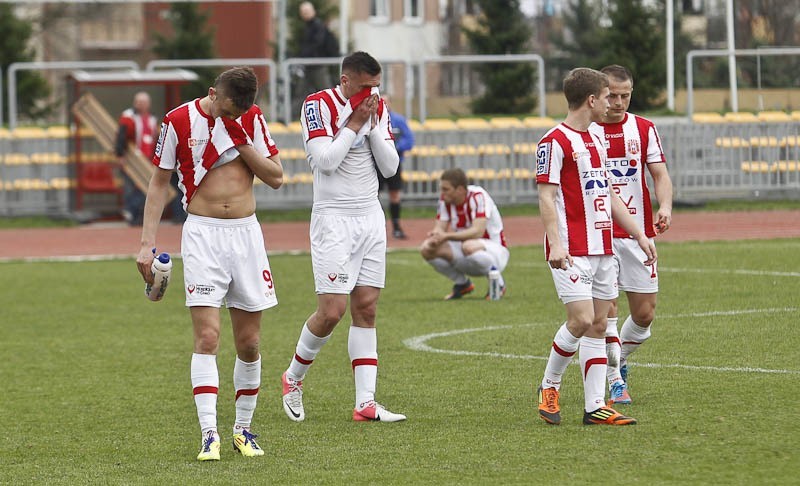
(420, 343)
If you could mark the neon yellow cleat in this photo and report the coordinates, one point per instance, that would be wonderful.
(245, 444)
(209, 447)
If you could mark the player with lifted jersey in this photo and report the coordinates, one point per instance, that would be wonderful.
(633, 144)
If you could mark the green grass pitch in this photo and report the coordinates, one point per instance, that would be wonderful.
(96, 383)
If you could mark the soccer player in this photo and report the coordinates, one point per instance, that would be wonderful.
(217, 144)
(633, 144)
(577, 206)
(467, 238)
(348, 137)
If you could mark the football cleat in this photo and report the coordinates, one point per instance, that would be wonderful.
(549, 409)
(460, 290)
(618, 394)
(246, 445)
(399, 234)
(373, 411)
(209, 447)
(293, 398)
(607, 416)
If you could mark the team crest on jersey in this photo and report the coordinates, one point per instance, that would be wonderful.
(633, 147)
(313, 116)
(543, 159)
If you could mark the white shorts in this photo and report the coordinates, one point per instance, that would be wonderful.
(590, 277)
(347, 251)
(499, 252)
(634, 275)
(225, 259)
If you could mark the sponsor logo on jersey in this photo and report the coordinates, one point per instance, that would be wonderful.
(596, 184)
(629, 172)
(313, 117)
(341, 278)
(543, 159)
(161, 137)
(200, 289)
(194, 142)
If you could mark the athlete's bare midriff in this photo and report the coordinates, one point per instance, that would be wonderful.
(225, 193)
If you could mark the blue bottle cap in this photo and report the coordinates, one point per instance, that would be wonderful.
(163, 258)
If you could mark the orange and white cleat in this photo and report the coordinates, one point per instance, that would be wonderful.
(607, 416)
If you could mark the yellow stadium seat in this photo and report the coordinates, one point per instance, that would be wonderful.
(538, 122)
(764, 141)
(473, 124)
(789, 141)
(58, 131)
(524, 148)
(756, 167)
(707, 117)
(439, 124)
(774, 116)
(415, 126)
(29, 132)
(506, 122)
(277, 128)
(462, 149)
(295, 127)
(4, 133)
(796, 115)
(494, 149)
(740, 117)
(731, 142)
(787, 165)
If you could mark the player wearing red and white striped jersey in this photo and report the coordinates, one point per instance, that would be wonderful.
(578, 209)
(633, 144)
(218, 144)
(467, 239)
(347, 136)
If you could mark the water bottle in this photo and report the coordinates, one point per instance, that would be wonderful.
(495, 291)
(162, 268)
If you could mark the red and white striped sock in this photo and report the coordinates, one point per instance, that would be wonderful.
(362, 345)
(205, 386)
(593, 369)
(246, 382)
(308, 346)
(632, 336)
(563, 349)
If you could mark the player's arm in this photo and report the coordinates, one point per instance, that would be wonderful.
(663, 187)
(475, 231)
(157, 195)
(623, 218)
(558, 256)
(383, 149)
(268, 169)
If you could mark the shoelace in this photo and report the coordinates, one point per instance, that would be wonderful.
(295, 394)
(550, 400)
(210, 439)
(248, 437)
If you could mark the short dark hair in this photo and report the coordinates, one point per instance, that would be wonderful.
(582, 82)
(619, 73)
(456, 177)
(361, 62)
(240, 84)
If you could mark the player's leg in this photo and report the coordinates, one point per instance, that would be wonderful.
(395, 184)
(480, 256)
(443, 259)
(205, 378)
(593, 359)
(362, 346)
(636, 329)
(246, 378)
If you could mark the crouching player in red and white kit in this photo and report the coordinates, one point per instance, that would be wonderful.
(633, 144)
(578, 209)
(217, 144)
(347, 136)
(467, 238)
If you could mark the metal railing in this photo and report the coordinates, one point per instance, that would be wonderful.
(42, 66)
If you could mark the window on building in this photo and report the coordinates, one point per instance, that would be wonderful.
(412, 10)
(379, 10)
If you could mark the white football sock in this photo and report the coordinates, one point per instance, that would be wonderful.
(205, 386)
(362, 345)
(448, 270)
(593, 369)
(613, 351)
(632, 336)
(563, 349)
(246, 382)
(308, 346)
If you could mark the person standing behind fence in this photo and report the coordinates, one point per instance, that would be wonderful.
(347, 138)
(578, 209)
(317, 41)
(403, 141)
(467, 238)
(137, 128)
(633, 144)
(218, 144)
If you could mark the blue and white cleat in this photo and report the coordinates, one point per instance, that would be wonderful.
(618, 394)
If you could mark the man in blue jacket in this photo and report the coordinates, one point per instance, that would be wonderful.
(403, 141)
